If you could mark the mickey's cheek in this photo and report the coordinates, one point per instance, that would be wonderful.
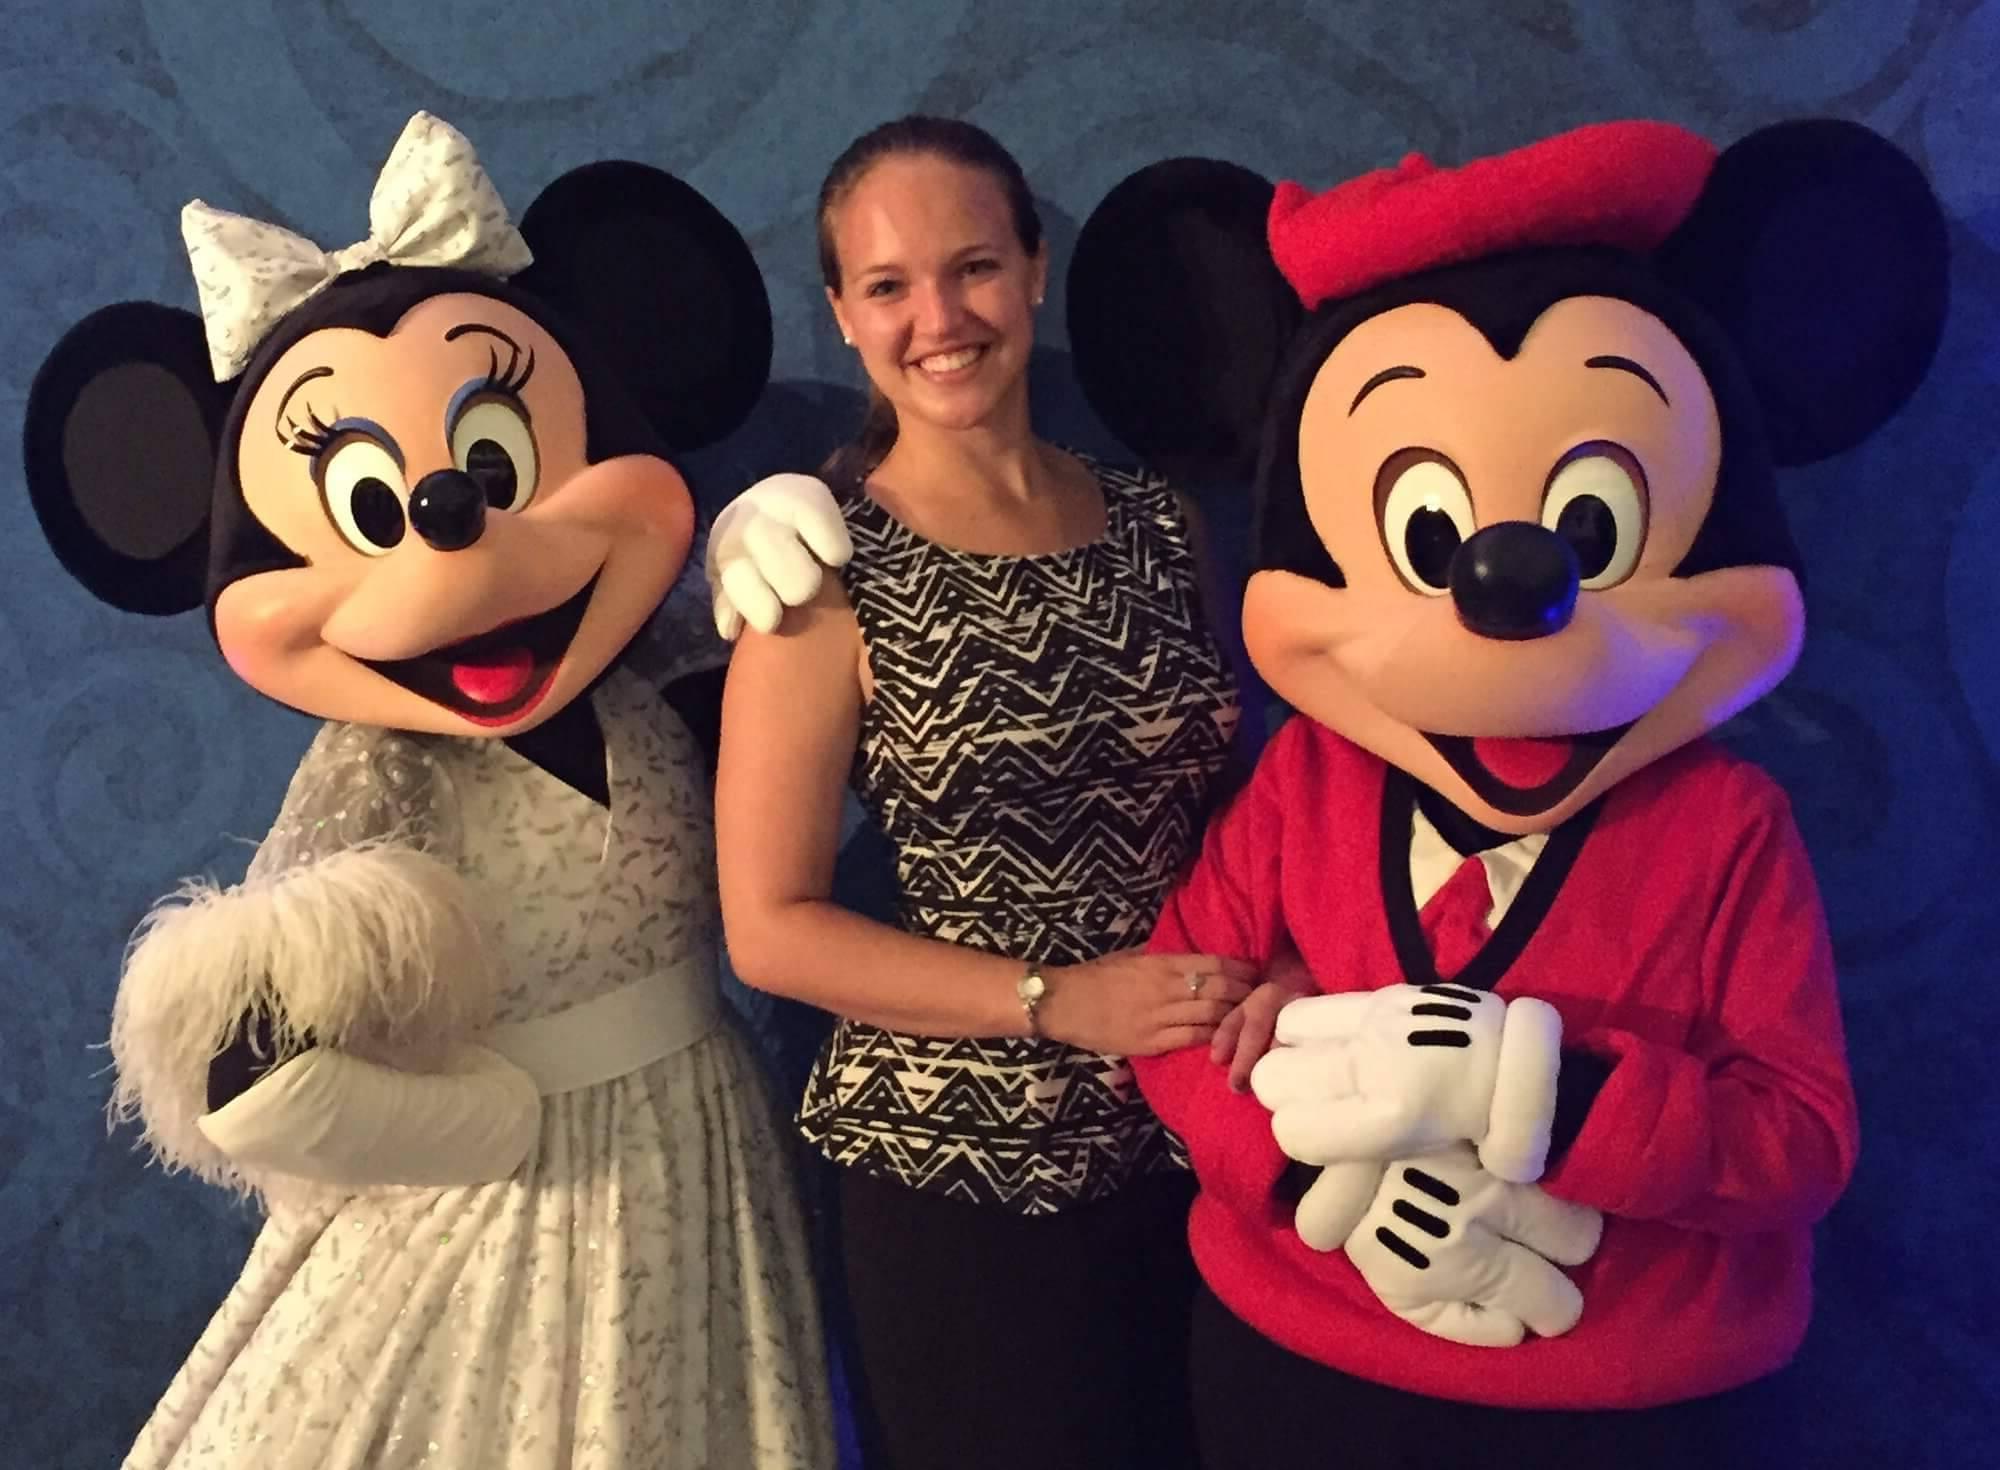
(1296, 619)
(1289, 615)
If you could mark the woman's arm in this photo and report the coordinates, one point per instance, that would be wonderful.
(791, 714)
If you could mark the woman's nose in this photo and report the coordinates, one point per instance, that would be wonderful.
(940, 308)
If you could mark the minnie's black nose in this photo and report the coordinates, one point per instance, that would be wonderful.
(448, 509)
(1514, 580)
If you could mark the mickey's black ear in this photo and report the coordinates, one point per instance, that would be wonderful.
(120, 435)
(666, 287)
(1820, 248)
(1178, 317)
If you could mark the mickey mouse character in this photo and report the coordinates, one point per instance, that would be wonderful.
(1519, 548)
(459, 1027)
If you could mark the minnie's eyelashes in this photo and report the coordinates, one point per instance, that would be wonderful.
(511, 380)
(312, 442)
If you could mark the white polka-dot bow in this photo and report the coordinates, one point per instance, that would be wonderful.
(432, 205)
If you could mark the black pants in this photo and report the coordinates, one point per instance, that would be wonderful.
(1259, 1406)
(990, 1339)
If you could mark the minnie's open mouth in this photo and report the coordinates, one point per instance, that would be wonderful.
(498, 676)
(1523, 776)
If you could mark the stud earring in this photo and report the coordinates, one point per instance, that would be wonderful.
(848, 340)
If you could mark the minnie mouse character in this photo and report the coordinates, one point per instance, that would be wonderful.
(459, 1027)
(1519, 549)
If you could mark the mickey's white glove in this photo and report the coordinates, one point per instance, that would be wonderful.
(1465, 1256)
(338, 1119)
(1334, 1203)
(1408, 1069)
(766, 548)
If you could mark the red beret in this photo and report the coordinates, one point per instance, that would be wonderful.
(1626, 184)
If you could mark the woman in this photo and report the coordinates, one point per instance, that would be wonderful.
(1019, 680)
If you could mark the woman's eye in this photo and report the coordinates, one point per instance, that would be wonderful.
(1596, 501)
(362, 487)
(1426, 515)
(492, 442)
(879, 288)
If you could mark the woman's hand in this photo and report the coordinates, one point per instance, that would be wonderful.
(1245, 1033)
(1135, 1004)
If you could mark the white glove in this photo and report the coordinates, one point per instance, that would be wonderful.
(1407, 1069)
(1333, 1205)
(762, 550)
(335, 1118)
(1465, 1256)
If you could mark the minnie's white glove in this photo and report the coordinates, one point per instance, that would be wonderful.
(1463, 1255)
(338, 1119)
(766, 548)
(1408, 1069)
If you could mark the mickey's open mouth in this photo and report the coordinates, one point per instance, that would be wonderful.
(1524, 776)
(499, 676)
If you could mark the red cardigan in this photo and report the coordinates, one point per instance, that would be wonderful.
(1678, 930)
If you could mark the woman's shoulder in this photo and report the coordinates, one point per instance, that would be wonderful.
(1121, 477)
(869, 522)
(1137, 494)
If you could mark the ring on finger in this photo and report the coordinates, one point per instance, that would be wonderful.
(1196, 980)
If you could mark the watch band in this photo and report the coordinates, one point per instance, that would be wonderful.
(1031, 987)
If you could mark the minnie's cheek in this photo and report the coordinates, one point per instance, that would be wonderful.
(246, 660)
(636, 492)
(256, 658)
(267, 621)
(668, 509)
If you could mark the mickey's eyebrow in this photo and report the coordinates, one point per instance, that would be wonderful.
(1387, 375)
(278, 422)
(1626, 365)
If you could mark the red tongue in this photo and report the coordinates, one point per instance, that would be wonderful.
(1523, 764)
(495, 679)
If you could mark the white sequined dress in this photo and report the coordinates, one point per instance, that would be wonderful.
(639, 1293)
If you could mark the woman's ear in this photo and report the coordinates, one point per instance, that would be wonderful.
(839, 317)
(1820, 248)
(667, 289)
(119, 439)
(1178, 317)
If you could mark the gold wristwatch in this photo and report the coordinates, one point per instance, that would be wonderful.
(1031, 987)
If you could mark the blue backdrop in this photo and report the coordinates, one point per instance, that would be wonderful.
(131, 757)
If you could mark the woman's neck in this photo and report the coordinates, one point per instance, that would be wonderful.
(989, 492)
(1002, 463)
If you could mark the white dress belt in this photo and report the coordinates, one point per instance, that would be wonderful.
(612, 1034)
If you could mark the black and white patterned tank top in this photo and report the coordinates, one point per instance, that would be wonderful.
(1039, 748)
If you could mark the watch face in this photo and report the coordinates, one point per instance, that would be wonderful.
(1031, 987)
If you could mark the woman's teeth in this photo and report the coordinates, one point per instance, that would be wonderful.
(950, 362)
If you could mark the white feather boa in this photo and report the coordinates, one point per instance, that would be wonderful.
(374, 948)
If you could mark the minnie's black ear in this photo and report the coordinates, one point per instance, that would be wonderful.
(666, 287)
(1820, 248)
(121, 429)
(1178, 317)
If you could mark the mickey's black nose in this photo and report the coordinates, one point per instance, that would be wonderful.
(1514, 580)
(448, 509)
